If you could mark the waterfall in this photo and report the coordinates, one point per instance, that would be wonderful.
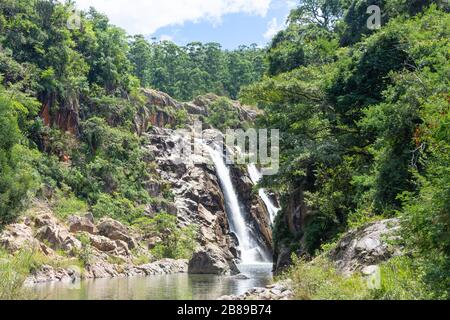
(251, 251)
(256, 176)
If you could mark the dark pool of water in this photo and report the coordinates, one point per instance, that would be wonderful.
(168, 287)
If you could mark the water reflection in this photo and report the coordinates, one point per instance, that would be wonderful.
(169, 287)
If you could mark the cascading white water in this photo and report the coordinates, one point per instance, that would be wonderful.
(251, 252)
(256, 176)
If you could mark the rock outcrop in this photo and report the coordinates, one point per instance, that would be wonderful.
(103, 269)
(114, 230)
(279, 291)
(295, 216)
(107, 254)
(258, 216)
(210, 260)
(58, 237)
(82, 224)
(361, 249)
(197, 196)
(18, 236)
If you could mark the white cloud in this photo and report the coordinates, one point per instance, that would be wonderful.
(147, 16)
(273, 27)
(166, 37)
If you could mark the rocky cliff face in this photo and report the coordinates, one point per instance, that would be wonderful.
(295, 217)
(197, 197)
(188, 189)
(195, 191)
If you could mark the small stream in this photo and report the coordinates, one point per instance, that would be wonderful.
(166, 287)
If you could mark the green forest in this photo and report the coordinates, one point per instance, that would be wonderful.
(363, 116)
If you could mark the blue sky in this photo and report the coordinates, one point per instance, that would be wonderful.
(228, 22)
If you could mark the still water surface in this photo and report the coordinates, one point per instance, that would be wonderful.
(167, 287)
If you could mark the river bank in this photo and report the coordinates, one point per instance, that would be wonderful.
(178, 286)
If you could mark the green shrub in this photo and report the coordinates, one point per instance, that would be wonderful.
(141, 260)
(67, 205)
(119, 208)
(318, 280)
(17, 177)
(177, 243)
(222, 114)
(14, 269)
(401, 279)
(84, 254)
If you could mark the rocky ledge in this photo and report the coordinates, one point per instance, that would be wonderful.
(109, 248)
(360, 250)
(278, 291)
(107, 270)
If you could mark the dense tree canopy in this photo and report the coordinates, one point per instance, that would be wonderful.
(363, 128)
(195, 69)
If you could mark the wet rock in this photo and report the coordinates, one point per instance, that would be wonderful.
(165, 266)
(48, 273)
(210, 260)
(241, 276)
(100, 270)
(258, 216)
(278, 291)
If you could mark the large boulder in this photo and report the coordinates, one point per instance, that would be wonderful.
(101, 269)
(102, 243)
(161, 267)
(54, 233)
(58, 237)
(18, 236)
(81, 224)
(365, 247)
(114, 230)
(210, 260)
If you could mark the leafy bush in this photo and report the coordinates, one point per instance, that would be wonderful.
(67, 205)
(17, 176)
(177, 243)
(222, 114)
(318, 280)
(117, 208)
(141, 260)
(84, 254)
(401, 279)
